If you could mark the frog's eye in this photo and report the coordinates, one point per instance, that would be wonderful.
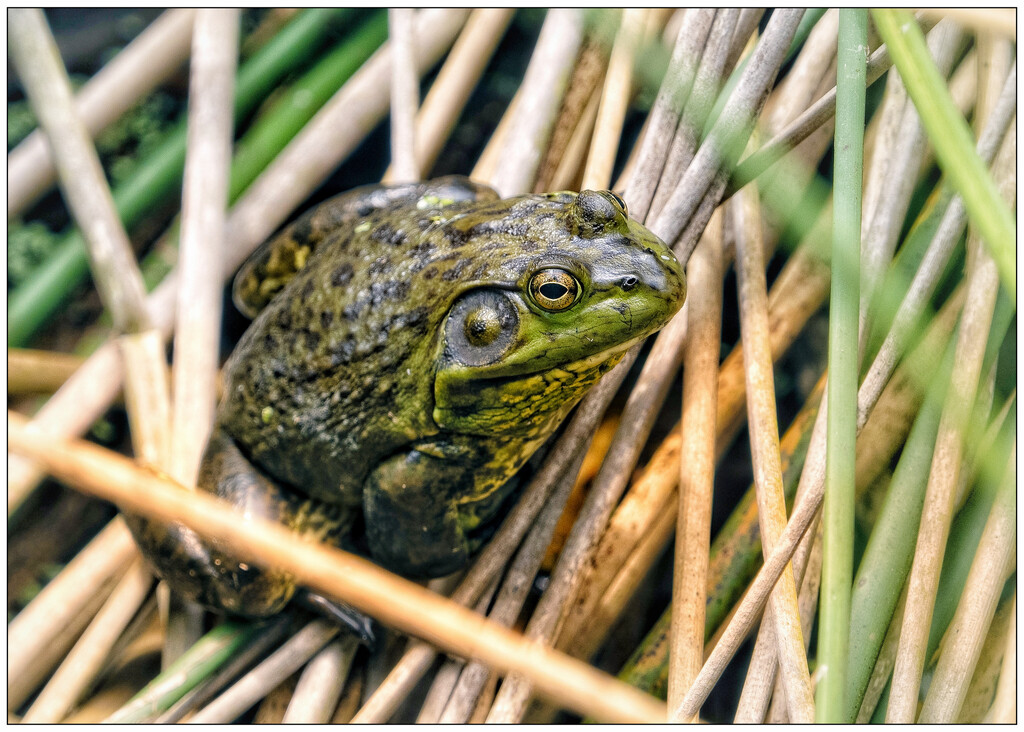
(554, 289)
(618, 200)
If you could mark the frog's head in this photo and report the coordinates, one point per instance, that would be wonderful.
(572, 283)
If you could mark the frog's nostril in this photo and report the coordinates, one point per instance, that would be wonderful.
(629, 282)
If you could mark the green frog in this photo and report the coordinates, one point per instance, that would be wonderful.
(412, 346)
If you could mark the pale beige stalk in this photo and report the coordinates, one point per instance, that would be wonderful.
(973, 617)
(256, 684)
(764, 438)
(981, 692)
(83, 184)
(321, 683)
(148, 61)
(487, 163)
(568, 170)
(204, 204)
(405, 94)
(59, 642)
(543, 87)
(697, 471)
(86, 659)
(395, 601)
(455, 82)
(940, 494)
(1004, 706)
(615, 98)
(1000, 21)
(64, 598)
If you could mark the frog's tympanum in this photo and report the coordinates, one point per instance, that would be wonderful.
(412, 346)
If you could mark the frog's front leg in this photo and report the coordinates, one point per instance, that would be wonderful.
(199, 570)
(429, 508)
(413, 524)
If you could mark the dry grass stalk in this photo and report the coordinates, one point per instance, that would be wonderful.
(543, 87)
(19, 689)
(892, 162)
(146, 395)
(154, 55)
(1000, 21)
(689, 207)
(86, 659)
(332, 134)
(802, 127)
(939, 250)
(455, 82)
(970, 624)
(697, 472)
(706, 85)
(1004, 706)
(515, 588)
(764, 438)
(487, 163)
(397, 602)
(83, 184)
(32, 371)
(405, 94)
(440, 690)
(615, 98)
(808, 600)
(940, 495)
(583, 93)
(982, 690)
(568, 174)
(62, 600)
(664, 117)
(796, 294)
(266, 676)
(321, 683)
(812, 67)
(449, 674)
(204, 200)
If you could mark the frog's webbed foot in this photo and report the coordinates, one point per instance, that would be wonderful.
(200, 571)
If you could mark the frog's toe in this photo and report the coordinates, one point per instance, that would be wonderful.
(363, 626)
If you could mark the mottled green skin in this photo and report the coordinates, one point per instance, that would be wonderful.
(358, 387)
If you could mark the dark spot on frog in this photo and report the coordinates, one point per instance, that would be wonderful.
(307, 289)
(284, 318)
(422, 249)
(269, 343)
(364, 210)
(302, 230)
(342, 352)
(430, 273)
(380, 265)
(326, 318)
(505, 226)
(342, 275)
(392, 290)
(352, 310)
(388, 234)
(455, 272)
(456, 236)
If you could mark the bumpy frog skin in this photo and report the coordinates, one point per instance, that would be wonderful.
(412, 347)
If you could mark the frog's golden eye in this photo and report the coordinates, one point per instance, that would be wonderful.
(618, 200)
(554, 289)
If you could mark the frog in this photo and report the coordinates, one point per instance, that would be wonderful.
(411, 347)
